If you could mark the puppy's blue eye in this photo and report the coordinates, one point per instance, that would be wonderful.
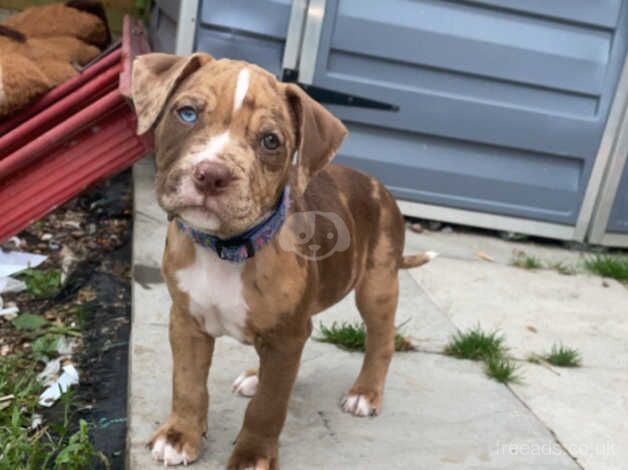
(187, 114)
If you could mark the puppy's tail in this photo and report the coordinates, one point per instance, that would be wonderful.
(414, 261)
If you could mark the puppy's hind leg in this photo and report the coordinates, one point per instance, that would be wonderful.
(376, 297)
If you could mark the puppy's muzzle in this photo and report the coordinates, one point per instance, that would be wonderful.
(211, 178)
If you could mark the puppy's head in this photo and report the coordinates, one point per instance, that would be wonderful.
(226, 133)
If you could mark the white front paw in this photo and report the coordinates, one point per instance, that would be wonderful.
(246, 384)
(358, 405)
(164, 452)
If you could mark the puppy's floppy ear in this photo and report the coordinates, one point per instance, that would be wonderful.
(319, 134)
(154, 79)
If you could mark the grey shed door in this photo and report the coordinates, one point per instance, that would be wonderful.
(618, 221)
(164, 17)
(254, 31)
(502, 102)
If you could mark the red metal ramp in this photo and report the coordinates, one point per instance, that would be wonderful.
(80, 132)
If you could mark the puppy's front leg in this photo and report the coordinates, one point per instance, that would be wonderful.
(257, 443)
(178, 441)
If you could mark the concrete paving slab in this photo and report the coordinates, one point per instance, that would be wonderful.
(144, 192)
(587, 409)
(466, 245)
(438, 412)
(149, 235)
(534, 309)
(426, 421)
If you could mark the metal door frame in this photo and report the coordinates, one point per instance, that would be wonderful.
(615, 148)
(187, 26)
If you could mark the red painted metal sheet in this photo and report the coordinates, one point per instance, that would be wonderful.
(134, 43)
(81, 134)
(56, 116)
(68, 171)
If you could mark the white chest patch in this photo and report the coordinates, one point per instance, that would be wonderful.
(215, 290)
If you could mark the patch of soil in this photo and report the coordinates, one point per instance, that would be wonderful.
(89, 241)
(104, 362)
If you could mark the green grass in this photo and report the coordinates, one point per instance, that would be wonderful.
(48, 447)
(349, 336)
(488, 347)
(526, 262)
(563, 356)
(41, 284)
(562, 268)
(352, 337)
(502, 369)
(29, 322)
(475, 344)
(79, 452)
(530, 262)
(606, 265)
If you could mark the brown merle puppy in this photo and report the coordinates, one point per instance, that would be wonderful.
(230, 139)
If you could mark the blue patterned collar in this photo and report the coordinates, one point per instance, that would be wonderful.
(244, 245)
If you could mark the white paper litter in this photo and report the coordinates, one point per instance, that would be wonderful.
(54, 391)
(50, 372)
(16, 241)
(9, 313)
(9, 285)
(37, 420)
(15, 261)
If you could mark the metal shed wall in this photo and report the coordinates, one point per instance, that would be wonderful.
(163, 22)
(503, 104)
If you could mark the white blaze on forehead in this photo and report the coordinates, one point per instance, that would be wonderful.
(241, 88)
(212, 149)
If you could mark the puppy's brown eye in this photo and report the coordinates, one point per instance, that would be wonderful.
(270, 141)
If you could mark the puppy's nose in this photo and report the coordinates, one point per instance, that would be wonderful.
(211, 177)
